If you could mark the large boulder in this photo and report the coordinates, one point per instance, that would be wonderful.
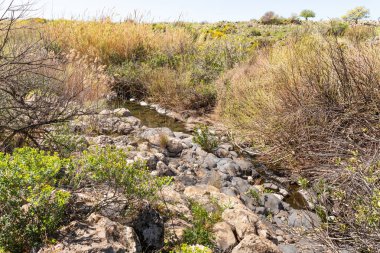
(122, 112)
(242, 220)
(174, 146)
(97, 234)
(149, 226)
(255, 244)
(157, 136)
(224, 236)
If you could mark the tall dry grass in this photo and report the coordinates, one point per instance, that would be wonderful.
(312, 104)
(114, 43)
(310, 100)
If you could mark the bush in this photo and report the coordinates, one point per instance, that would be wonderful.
(305, 102)
(271, 18)
(184, 248)
(112, 167)
(205, 138)
(337, 28)
(311, 99)
(351, 198)
(31, 207)
(203, 222)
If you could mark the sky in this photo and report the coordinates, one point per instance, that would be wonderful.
(198, 10)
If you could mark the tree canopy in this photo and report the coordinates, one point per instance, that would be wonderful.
(307, 14)
(356, 14)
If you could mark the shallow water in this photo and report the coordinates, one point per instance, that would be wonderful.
(150, 117)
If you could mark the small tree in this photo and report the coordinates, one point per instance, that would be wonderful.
(307, 14)
(356, 14)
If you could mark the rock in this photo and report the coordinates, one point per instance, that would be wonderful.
(304, 219)
(270, 186)
(214, 178)
(272, 203)
(210, 161)
(261, 210)
(309, 197)
(124, 128)
(281, 217)
(230, 191)
(287, 248)
(161, 110)
(204, 193)
(149, 226)
(135, 122)
(230, 168)
(226, 146)
(222, 153)
(255, 244)
(175, 229)
(143, 103)
(246, 167)
(284, 192)
(224, 236)
(96, 234)
(279, 196)
(103, 140)
(200, 152)
(242, 220)
(157, 136)
(105, 112)
(174, 146)
(122, 112)
(240, 184)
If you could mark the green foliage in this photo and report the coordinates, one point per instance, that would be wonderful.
(271, 18)
(31, 208)
(185, 248)
(203, 221)
(307, 14)
(205, 138)
(112, 166)
(255, 195)
(303, 182)
(337, 28)
(63, 141)
(356, 14)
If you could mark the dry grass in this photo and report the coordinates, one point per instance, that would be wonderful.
(311, 100)
(114, 42)
(85, 77)
(312, 104)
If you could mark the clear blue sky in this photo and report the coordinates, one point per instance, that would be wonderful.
(200, 10)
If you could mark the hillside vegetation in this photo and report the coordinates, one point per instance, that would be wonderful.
(304, 95)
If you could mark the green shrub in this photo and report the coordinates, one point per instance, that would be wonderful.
(185, 248)
(337, 28)
(203, 221)
(31, 207)
(112, 166)
(63, 141)
(205, 138)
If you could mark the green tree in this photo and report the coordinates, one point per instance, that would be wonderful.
(307, 14)
(356, 14)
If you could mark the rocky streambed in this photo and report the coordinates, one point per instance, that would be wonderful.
(255, 216)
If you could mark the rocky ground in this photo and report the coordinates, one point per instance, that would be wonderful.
(255, 217)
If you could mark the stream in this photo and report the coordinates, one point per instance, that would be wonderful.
(151, 118)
